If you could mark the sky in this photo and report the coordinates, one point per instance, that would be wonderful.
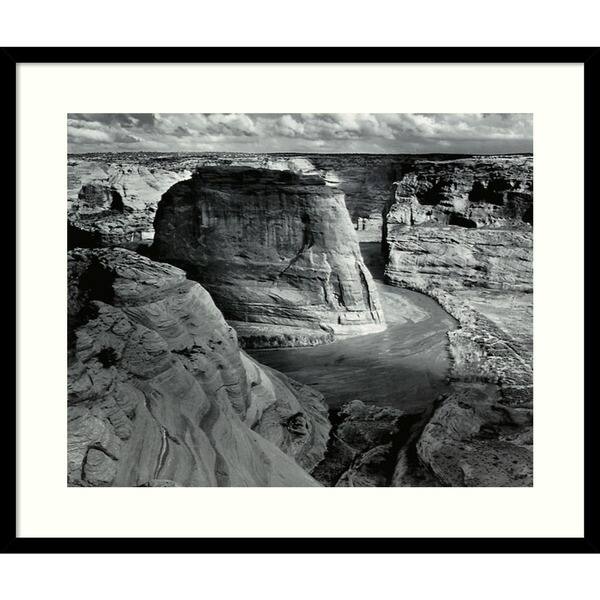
(397, 133)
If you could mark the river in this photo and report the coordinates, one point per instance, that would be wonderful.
(404, 366)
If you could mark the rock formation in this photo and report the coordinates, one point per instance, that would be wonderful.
(493, 186)
(461, 223)
(113, 204)
(482, 433)
(469, 192)
(365, 180)
(453, 257)
(275, 248)
(454, 230)
(159, 393)
(363, 445)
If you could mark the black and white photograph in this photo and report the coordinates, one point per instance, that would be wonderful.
(300, 300)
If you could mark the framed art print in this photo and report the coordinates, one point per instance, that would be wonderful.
(298, 304)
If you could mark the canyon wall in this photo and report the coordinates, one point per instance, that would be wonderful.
(461, 232)
(276, 249)
(159, 393)
(461, 223)
(452, 257)
(365, 180)
(113, 204)
(488, 188)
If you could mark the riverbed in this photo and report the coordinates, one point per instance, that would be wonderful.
(404, 366)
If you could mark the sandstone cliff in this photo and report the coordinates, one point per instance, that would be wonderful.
(461, 223)
(453, 257)
(160, 394)
(276, 250)
(113, 204)
(461, 232)
(365, 180)
(484, 181)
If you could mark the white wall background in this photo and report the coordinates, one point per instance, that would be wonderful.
(311, 22)
(315, 22)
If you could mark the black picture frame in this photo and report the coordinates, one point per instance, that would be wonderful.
(10, 58)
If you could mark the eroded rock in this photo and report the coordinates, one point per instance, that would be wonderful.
(481, 434)
(160, 394)
(363, 446)
(275, 248)
(461, 223)
(113, 204)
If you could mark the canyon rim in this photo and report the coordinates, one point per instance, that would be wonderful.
(300, 300)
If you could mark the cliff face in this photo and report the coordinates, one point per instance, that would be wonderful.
(365, 181)
(461, 232)
(160, 394)
(113, 204)
(453, 257)
(469, 192)
(276, 250)
(461, 223)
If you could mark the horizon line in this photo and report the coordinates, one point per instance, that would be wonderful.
(302, 153)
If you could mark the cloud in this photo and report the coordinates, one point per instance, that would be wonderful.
(88, 131)
(301, 132)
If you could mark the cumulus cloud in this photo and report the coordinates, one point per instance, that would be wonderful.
(301, 132)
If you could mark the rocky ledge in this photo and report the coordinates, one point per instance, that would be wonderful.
(276, 249)
(159, 393)
(481, 434)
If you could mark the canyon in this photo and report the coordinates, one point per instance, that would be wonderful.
(300, 320)
(462, 234)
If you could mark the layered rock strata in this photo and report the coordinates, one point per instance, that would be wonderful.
(469, 192)
(276, 250)
(485, 183)
(461, 224)
(454, 257)
(491, 189)
(112, 199)
(462, 230)
(159, 393)
(116, 203)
